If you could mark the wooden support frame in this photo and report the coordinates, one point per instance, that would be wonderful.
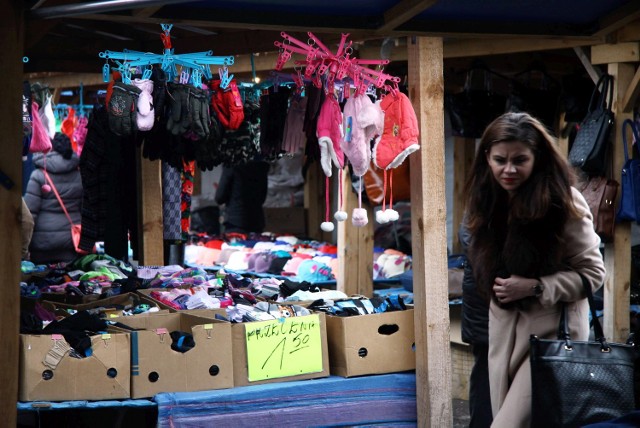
(429, 243)
(464, 150)
(355, 247)
(617, 256)
(152, 249)
(11, 40)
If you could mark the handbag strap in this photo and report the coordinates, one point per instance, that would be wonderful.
(563, 328)
(630, 123)
(604, 90)
(55, 191)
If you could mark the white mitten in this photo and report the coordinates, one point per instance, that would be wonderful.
(144, 108)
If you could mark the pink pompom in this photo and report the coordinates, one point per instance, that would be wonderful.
(46, 188)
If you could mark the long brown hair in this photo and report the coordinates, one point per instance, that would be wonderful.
(547, 190)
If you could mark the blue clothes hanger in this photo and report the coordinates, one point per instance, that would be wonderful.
(197, 63)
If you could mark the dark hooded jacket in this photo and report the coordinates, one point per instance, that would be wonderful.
(51, 241)
(475, 308)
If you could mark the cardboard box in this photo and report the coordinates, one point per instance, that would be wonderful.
(278, 360)
(371, 344)
(126, 300)
(156, 367)
(290, 220)
(105, 375)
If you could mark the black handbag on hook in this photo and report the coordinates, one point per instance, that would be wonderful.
(589, 149)
(471, 110)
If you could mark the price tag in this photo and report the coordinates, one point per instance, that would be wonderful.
(284, 347)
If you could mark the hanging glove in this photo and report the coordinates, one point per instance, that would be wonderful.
(159, 79)
(122, 109)
(177, 122)
(199, 112)
(208, 150)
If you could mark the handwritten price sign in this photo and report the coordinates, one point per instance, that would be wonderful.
(284, 347)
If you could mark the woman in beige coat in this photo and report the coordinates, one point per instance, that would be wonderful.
(532, 235)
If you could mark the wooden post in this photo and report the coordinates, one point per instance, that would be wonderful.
(314, 202)
(464, 150)
(355, 247)
(11, 40)
(152, 253)
(429, 243)
(617, 255)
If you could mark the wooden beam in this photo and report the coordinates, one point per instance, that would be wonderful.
(482, 47)
(631, 95)
(152, 253)
(614, 53)
(314, 188)
(67, 80)
(402, 12)
(629, 33)
(355, 248)
(11, 40)
(617, 255)
(625, 14)
(145, 12)
(429, 236)
(593, 72)
(464, 150)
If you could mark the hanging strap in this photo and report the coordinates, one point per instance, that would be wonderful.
(634, 131)
(55, 191)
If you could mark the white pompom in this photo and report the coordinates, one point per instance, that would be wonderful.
(392, 214)
(381, 217)
(327, 226)
(340, 215)
(359, 217)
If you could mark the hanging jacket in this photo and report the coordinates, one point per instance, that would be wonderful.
(51, 241)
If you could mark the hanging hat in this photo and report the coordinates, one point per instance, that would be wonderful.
(400, 136)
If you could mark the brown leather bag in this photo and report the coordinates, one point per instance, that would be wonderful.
(600, 194)
(374, 183)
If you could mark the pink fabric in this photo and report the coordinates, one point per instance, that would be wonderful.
(40, 141)
(329, 134)
(400, 136)
(356, 142)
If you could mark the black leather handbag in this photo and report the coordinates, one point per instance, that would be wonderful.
(578, 383)
(589, 149)
(471, 110)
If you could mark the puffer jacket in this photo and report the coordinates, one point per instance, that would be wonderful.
(475, 309)
(51, 241)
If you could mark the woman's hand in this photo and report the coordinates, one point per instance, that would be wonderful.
(513, 288)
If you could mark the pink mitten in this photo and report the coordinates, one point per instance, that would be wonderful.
(329, 135)
(355, 143)
(144, 108)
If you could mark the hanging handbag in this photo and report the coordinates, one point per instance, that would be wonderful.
(600, 194)
(589, 149)
(576, 383)
(471, 110)
(629, 209)
(76, 229)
